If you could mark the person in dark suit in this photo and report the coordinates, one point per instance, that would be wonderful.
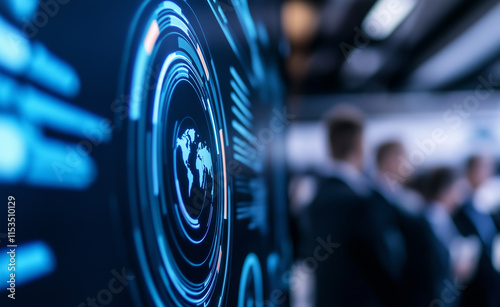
(496, 218)
(443, 191)
(367, 268)
(484, 288)
(423, 278)
(391, 180)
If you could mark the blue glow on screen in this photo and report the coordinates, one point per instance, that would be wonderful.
(14, 160)
(20, 8)
(184, 249)
(53, 73)
(33, 261)
(251, 267)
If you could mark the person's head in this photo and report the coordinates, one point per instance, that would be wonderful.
(444, 185)
(479, 168)
(388, 160)
(345, 132)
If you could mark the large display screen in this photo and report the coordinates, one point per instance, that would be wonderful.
(165, 175)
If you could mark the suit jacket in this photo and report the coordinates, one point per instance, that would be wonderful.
(367, 269)
(427, 269)
(484, 288)
(428, 266)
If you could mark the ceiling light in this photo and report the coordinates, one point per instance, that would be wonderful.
(385, 16)
(472, 48)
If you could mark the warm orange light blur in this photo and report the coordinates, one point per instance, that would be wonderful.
(151, 37)
(299, 21)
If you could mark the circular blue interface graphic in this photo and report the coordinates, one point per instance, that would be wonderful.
(176, 142)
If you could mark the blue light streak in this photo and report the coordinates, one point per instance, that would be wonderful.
(251, 266)
(34, 260)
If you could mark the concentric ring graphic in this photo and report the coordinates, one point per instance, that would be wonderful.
(251, 288)
(176, 142)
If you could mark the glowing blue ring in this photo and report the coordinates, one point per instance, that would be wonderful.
(166, 258)
(251, 266)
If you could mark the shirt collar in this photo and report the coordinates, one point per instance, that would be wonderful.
(349, 174)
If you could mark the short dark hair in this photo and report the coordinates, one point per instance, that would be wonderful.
(344, 135)
(472, 162)
(384, 149)
(438, 180)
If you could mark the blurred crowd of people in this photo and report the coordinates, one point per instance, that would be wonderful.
(403, 239)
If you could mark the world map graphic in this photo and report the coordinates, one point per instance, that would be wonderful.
(197, 160)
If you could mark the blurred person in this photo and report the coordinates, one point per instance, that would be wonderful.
(367, 266)
(496, 218)
(444, 191)
(483, 289)
(391, 181)
(422, 281)
(479, 168)
(301, 191)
